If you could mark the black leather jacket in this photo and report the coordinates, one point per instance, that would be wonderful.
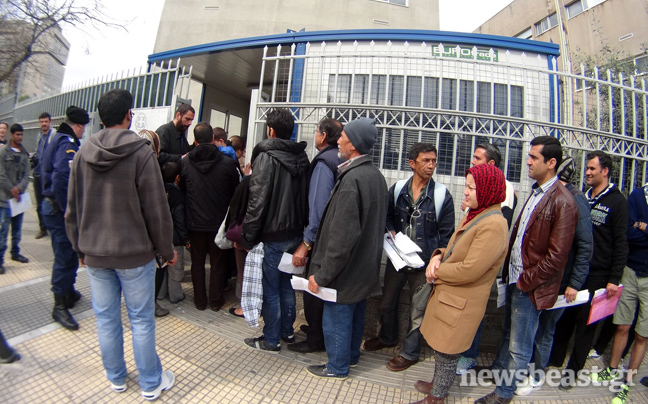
(278, 205)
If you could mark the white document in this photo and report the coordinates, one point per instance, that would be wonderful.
(22, 206)
(501, 293)
(582, 296)
(397, 256)
(405, 244)
(285, 265)
(326, 294)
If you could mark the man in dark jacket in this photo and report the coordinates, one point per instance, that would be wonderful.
(173, 135)
(348, 248)
(423, 210)
(14, 179)
(635, 293)
(55, 168)
(209, 179)
(609, 218)
(276, 215)
(323, 174)
(538, 250)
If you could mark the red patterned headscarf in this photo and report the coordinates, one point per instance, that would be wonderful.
(491, 187)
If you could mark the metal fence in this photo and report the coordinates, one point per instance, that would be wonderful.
(158, 85)
(417, 93)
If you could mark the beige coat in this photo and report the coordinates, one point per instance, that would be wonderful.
(458, 300)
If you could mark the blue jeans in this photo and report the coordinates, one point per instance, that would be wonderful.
(278, 309)
(473, 351)
(394, 283)
(16, 235)
(343, 326)
(545, 337)
(137, 284)
(521, 318)
(66, 260)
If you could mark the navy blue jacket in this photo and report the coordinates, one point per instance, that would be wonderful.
(430, 235)
(40, 150)
(637, 239)
(577, 267)
(55, 165)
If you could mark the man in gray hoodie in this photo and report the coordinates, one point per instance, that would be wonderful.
(117, 217)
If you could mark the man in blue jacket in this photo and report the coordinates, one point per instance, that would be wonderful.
(55, 169)
(45, 123)
(423, 210)
(323, 174)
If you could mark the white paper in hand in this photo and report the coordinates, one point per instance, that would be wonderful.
(285, 265)
(326, 294)
(22, 206)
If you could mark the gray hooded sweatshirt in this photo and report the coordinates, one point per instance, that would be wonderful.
(117, 214)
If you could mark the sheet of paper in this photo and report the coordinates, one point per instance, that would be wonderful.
(405, 244)
(327, 294)
(602, 306)
(22, 206)
(398, 257)
(600, 292)
(501, 293)
(582, 297)
(392, 254)
(285, 265)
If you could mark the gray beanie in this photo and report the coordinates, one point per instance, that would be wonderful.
(566, 170)
(362, 133)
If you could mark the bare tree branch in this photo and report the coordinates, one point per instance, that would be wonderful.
(25, 25)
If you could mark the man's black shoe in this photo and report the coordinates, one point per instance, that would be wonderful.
(71, 298)
(644, 380)
(61, 314)
(2, 270)
(303, 347)
(20, 258)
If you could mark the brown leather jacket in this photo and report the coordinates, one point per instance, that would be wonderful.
(547, 240)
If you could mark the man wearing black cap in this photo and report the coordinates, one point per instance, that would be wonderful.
(348, 248)
(14, 178)
(55, 169)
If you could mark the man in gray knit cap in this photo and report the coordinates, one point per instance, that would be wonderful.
(348, 247)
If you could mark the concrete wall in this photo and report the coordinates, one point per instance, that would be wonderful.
(588, 32)
(194, 22)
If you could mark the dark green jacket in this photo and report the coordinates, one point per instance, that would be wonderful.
(348, 248)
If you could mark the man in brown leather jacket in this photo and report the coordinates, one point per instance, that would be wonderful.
(538, 250)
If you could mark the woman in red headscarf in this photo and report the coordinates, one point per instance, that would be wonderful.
(463, 274)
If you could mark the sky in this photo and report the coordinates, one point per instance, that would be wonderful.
(96, 53)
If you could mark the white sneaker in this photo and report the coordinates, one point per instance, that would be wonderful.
(527, 386)
(118, 388)
(593, 354)
(167, 382)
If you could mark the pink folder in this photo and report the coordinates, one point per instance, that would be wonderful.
(603, 307)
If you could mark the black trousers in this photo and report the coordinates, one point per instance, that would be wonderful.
(202, 243)
(576, 317)
(313, 309)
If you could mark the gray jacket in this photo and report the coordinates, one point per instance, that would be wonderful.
(348, 248)
(14, 172)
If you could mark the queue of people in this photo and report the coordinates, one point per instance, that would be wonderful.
(331, 214)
